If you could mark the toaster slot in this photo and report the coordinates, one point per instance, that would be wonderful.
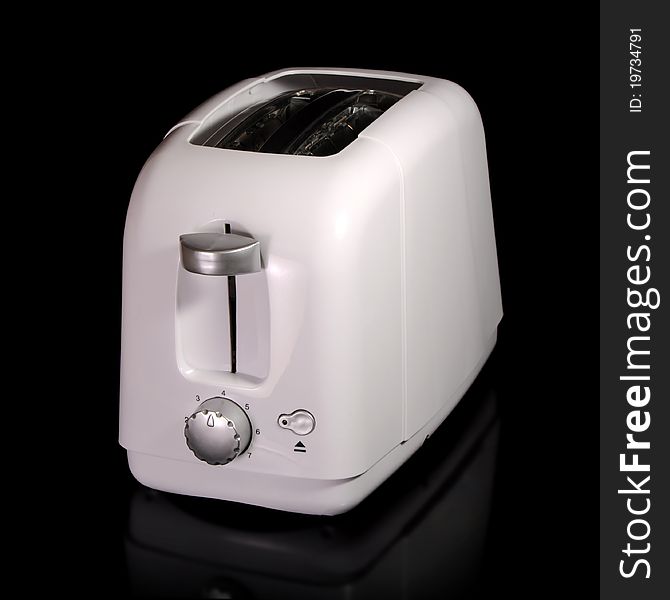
(251, 128)
(311, 116)
(336, 129)
(320, 120)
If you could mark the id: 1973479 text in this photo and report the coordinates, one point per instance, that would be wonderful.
(635, 70)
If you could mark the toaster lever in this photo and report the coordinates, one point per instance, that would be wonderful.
(227, 254)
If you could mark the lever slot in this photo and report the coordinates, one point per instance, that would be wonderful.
(232, 314)
(222, 254)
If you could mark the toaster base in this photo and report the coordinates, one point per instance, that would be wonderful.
(292, 494)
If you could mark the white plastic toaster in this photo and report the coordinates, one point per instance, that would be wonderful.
(310, 285)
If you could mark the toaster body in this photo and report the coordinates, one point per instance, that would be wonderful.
(373, 305)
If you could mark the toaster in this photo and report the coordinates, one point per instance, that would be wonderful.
(310, 285)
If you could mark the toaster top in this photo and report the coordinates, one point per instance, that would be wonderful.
(300, 112)
(312, 122)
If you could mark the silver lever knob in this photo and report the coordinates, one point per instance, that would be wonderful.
(220, 254)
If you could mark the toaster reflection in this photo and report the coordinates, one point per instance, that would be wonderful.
(420, 535)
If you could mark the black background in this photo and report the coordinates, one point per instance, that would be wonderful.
(119, 87)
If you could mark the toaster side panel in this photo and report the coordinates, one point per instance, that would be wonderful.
(452, 289)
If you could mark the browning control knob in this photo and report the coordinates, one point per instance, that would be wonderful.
(218, 431)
